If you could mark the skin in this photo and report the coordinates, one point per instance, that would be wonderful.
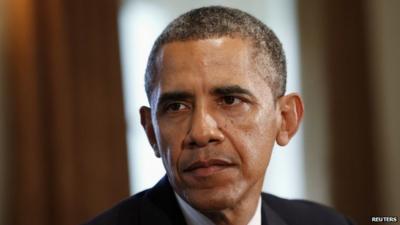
(213, 121)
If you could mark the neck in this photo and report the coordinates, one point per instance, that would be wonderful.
(241, 213)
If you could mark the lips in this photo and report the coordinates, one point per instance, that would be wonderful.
(207, 167)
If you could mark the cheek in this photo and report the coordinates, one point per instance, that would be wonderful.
(253, 137)
(170, 139)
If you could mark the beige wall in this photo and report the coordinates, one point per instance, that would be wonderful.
(2, 118)
(384, 31)
(316, 134)
(383, 51)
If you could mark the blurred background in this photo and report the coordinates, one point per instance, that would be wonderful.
(71, 83)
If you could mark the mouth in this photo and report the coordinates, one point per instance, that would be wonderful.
(204, 168)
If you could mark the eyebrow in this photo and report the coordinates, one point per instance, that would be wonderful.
(229, 90)
(174, 96)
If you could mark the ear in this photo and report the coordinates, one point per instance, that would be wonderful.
(145, 120)
(291, 111)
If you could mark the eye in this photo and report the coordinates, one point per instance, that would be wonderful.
(230, 100)
(175, 107)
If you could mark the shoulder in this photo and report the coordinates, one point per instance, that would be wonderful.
(156, 205)
(118, 214)
(299, 212)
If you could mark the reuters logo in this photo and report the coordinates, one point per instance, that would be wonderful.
(384, 219)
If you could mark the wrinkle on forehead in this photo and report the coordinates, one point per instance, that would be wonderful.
(217, 41)
(205, 54)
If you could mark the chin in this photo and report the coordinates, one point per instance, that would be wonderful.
(215, 199)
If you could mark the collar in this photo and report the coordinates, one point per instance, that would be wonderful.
(194, 217)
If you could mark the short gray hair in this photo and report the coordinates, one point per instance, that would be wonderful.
(218, 21)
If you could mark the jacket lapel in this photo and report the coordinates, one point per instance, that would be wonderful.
(269, 216)
(162, 207)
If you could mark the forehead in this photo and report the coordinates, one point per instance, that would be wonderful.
(219, 51)
(217, 59)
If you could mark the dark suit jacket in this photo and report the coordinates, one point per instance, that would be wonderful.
(158, 205)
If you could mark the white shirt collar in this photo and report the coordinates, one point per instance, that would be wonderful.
(194, 217)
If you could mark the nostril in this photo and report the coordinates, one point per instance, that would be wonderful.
(199, 144)
(214, 140)
(196, 143)
(193, 144)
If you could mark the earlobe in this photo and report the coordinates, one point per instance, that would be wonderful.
(283, 138)
(145, 120)
(291, 113)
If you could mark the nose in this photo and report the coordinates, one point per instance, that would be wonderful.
(204, 130)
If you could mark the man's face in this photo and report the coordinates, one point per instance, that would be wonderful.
(213, 120)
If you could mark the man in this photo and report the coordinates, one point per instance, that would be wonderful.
(215, 82)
